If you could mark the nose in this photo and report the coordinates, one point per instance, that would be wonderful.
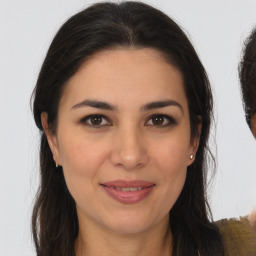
(129, 149)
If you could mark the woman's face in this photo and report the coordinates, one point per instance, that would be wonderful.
(123, 139)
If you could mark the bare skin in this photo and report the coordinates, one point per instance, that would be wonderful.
(124, 116)
(253, 125)
(150, 243)
(252, 219)
(252, 216)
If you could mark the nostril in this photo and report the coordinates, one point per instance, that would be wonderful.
(129, 149)
(129, 160)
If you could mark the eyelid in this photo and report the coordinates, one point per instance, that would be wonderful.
(171, 120)
(86, 118)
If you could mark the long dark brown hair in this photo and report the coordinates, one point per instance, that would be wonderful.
(107, 26)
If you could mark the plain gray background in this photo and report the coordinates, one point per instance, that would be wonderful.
(217, 30)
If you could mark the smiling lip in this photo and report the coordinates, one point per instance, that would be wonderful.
(128, 192)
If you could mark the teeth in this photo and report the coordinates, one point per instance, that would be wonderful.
(128, 189)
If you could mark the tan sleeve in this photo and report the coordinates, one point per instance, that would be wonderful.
(238, 236)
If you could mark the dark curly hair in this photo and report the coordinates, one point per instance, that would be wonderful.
(247, 74)
(107, 26)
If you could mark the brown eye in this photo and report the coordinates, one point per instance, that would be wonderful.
(158, 120)
(95, 120)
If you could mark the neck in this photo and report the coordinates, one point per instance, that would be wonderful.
(93, 240)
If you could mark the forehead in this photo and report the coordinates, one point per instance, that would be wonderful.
(126, 75)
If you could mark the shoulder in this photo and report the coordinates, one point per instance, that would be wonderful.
(238, 237)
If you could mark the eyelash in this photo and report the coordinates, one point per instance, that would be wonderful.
(86, 120)
(168, 121)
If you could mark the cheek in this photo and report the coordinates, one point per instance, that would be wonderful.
(172, 154)
(80, 153)
(171, 159)
(81, 160)
(173, 170)
(253, 125)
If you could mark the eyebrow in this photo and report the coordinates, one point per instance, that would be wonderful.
(106, 106)
(162, 104)
(95, 104)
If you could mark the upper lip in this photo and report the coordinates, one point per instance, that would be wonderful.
(128, 184)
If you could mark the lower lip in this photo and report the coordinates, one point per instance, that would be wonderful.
(128, 197)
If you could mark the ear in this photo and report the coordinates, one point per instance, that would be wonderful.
(51, 138)
(194, 144)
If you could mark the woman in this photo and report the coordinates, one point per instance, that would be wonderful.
(239, 234)
(247, 74)
(124, 107)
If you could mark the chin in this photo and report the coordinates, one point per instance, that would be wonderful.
(130, 224)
